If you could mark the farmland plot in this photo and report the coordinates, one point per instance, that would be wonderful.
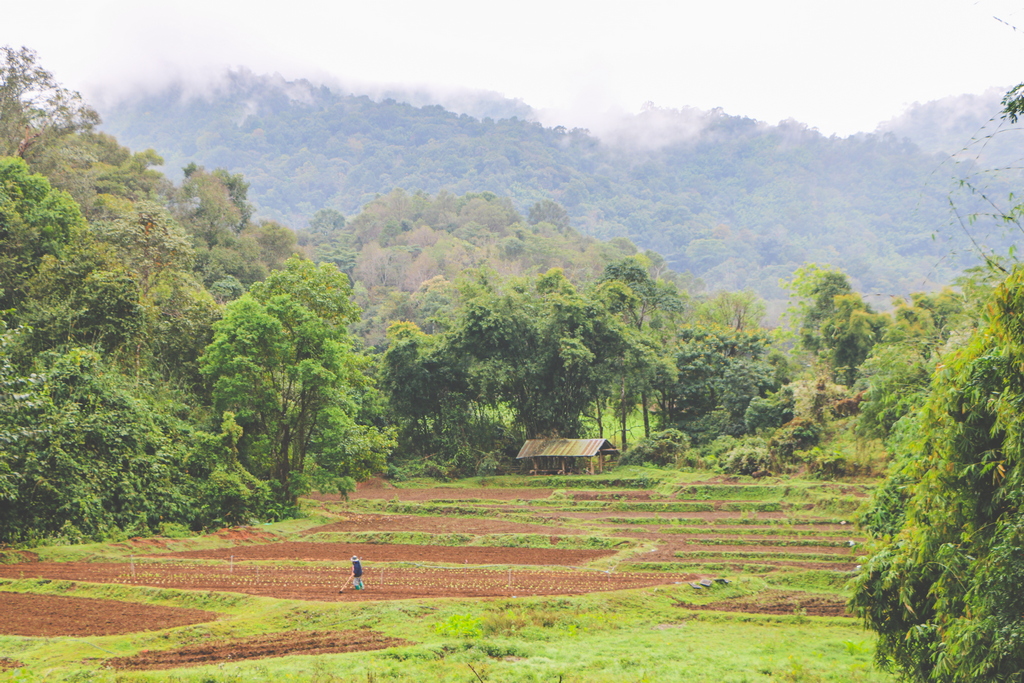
(712, 548)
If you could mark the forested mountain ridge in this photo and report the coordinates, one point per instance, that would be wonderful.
(737, 202)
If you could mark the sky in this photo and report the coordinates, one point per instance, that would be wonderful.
(836, 65)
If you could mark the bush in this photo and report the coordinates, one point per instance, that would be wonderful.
(488, 466)
(661, 449)
(748, 457)
(460, 626)
(796, 435)
(233, 496)
(714, 452)
(770, 412)
(504, 623)
(827, 464)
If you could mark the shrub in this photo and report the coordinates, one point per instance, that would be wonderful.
(798, 434)
(714, 452)
(748, 457)
(661, 449)
(827, 464)
(506, 622)
(460, 626)
(770, 412)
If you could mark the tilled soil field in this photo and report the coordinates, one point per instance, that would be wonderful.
(259, 647)
(416, 495)
(322, 583)
(399, 552)
(421, 495)
(438, 525)
(27, 614)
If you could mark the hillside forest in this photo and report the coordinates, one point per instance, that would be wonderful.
(172, 361)
(736, 202)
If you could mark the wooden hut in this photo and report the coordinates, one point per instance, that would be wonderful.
(563, 456)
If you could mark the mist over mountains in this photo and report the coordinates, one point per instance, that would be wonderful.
(735, 201)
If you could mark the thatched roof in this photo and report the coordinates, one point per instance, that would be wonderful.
(565, 448)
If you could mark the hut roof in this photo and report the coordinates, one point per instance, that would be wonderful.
(564, 448)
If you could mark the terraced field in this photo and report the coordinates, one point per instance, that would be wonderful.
(708, 527)
(727, 546)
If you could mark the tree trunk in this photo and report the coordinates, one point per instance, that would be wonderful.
(622, 401)
(647, 419)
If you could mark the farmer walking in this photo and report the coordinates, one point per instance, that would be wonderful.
(357, 573)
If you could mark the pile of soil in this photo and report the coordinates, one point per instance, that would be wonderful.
(780, 602)
(245, 534)
(27, 614)
(259, 647)
(8, 556)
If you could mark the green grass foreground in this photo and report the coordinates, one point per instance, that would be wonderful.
(641, 635)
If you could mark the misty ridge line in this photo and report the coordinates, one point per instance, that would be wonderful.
(947, 125)
(651, 129)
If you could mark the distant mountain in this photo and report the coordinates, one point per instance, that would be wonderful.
(967, 127)
(735, 201)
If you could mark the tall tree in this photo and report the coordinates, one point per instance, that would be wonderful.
(283, 362)
(35, 221)
(35, 110)
(628, 289)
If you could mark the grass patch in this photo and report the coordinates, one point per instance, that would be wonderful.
(740, 555)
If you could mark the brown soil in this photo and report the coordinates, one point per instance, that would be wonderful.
(26, 614)
(383, 490)
(780, 602)
(245, 534)
(438, 525)
(259, 647)
(398, 552)
(8, 663)
(373, 484)
(322, 583)
(7, 555)
(443, 494)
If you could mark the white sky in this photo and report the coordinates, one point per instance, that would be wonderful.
(841, 66)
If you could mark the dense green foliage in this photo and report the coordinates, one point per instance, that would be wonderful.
(282, 362)
(130, 398)
(942, 590)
